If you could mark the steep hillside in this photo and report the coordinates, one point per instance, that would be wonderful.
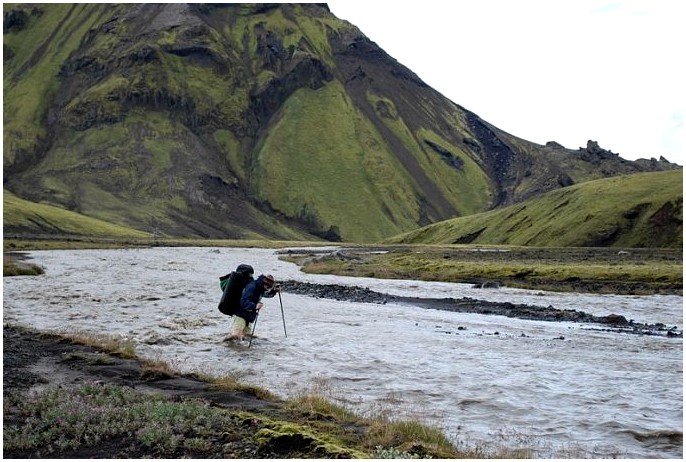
(251, 120)
(641, 210)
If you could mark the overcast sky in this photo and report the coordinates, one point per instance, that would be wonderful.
(543, 70)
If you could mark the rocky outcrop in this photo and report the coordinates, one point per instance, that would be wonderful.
(594, 153)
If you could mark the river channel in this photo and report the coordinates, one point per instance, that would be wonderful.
(556, 389)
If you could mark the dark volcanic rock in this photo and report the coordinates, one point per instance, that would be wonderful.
(613, 322)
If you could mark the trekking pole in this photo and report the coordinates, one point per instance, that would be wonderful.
(252, 334)
(282, 316)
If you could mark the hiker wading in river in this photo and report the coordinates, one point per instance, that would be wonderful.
(246, 313)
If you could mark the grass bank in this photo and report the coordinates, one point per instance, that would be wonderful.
(593, 270)
(13, 266)
(92, 415)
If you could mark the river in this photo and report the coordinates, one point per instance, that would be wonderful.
(561, 390)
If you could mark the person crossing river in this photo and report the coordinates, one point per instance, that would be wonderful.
(250, 304)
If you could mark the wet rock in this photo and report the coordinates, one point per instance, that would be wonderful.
(614, 322)
(615, 319)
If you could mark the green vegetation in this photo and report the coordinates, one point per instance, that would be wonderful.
(596, 270)
(641, 210)
(232, 383)
(61, 420)
(468, 188)
(37, 218)
(332, 173)
(91, 417)
(12, 267)
(30, 77)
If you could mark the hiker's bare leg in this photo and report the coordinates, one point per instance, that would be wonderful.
(237, 329)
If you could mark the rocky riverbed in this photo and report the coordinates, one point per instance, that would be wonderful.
(614, 322)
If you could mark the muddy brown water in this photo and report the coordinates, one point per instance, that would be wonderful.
(554, 388)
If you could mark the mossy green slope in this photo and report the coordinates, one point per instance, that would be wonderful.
(31, 218)
(641, 210)
(243, 121)
(124, 145)
(30, 73)
(140, 120)
(337, 165)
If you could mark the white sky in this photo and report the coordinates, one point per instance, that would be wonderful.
(544, 70)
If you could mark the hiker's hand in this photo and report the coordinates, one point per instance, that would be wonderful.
(259, 306)
(277, 288)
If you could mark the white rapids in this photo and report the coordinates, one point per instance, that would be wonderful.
(554, 389)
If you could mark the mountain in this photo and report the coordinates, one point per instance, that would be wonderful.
(640, 210)
(277, 121)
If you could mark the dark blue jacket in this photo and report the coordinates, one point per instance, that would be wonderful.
(252, 294)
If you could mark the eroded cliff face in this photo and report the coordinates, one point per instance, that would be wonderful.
(250, 120)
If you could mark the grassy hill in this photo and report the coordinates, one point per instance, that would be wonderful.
(25, 217)
(641, 210)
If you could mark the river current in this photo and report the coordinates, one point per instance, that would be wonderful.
(554, 389)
